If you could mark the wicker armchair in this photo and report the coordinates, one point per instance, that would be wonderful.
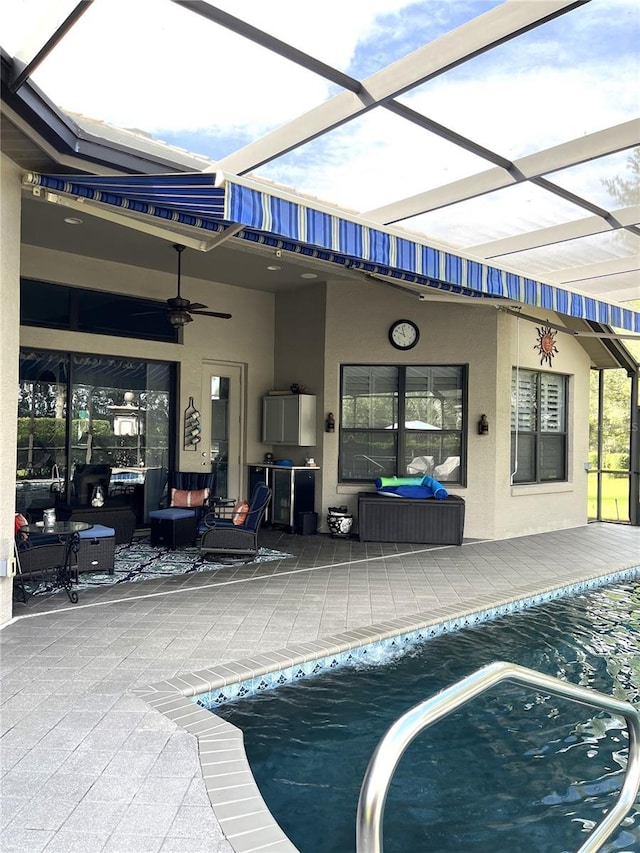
(192, 481)
(38, 557)
(222, 536)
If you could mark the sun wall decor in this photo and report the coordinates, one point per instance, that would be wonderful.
(546, 345)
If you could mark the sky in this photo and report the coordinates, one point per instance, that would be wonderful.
(153, 66)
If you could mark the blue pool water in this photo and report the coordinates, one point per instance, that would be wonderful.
(517, 770)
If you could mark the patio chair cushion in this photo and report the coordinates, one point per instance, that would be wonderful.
(172, 512)
(189, 498)
(98, 531)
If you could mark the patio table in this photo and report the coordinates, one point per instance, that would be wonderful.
(69, 533)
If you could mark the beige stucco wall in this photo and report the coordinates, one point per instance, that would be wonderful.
(553, 506)
(299, 355)
(246, 339)
(358, 318)
(490, 343)
(9, 334)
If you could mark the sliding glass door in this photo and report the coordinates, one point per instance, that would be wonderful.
(84, 418)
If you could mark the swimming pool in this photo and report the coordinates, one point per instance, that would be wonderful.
(516, 770)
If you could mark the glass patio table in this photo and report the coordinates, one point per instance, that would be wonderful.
(67, 532)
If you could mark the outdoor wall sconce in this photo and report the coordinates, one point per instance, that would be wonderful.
(483, 425)
(330, 425)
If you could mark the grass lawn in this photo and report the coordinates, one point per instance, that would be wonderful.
(615, 497)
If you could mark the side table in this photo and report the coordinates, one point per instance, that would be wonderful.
(68, 532)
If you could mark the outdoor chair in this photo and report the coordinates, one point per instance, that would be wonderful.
(36, 555)
(222, 536)
(175, 524)
(191, 489)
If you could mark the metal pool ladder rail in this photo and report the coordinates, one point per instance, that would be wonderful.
(396, 740)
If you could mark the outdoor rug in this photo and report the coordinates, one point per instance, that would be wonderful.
(141, 561)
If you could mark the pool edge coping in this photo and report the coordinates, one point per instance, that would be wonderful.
(244, 817)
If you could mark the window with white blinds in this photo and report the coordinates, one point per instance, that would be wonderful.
(538, 426)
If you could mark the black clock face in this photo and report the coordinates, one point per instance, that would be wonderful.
(404, 334)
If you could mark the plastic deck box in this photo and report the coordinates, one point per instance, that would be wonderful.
(426, 520)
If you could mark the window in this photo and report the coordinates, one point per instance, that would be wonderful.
(402, 421)
(538, 426)
(57, 306)
(78, 413)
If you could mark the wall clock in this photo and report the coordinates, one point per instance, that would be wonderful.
(404, 334)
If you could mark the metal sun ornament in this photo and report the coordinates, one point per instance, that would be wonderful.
(546, 345)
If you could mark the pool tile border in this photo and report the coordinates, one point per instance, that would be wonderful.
(236, 800)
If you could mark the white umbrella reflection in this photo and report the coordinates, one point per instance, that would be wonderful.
(413, 425)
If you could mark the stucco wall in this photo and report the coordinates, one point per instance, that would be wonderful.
(9, 333)
(552, 506)
(491, 343)
(358, 320)
(299, 354)
(247, 338)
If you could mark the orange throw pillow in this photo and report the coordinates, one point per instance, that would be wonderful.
(20, 522)
(240, 512)
(184, 498)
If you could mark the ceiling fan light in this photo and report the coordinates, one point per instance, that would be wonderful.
(179, 318)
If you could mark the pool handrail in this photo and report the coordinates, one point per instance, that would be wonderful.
(395, 741)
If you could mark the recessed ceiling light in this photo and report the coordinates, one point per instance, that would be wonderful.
(274, 267)
(308, 275)
(73, 220)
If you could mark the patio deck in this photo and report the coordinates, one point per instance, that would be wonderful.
(88, 766)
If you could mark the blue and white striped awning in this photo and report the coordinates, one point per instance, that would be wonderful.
(273, 217)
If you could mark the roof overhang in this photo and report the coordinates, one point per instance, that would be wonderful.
(215, 207)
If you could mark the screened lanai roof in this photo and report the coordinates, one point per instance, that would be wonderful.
(505, 133)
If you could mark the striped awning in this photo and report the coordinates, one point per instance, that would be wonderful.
(273, 217)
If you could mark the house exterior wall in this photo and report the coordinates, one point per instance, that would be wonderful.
(299, 357)
(551, 506)
(358, 316)
(9, 335)
(246, 339)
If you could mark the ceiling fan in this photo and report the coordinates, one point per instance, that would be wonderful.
(179, 309)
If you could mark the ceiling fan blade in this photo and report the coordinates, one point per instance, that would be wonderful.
(148, 313)
(196, 305)
(212, 314)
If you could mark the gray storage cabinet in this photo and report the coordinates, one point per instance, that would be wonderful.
(426, 521)
(289, 419)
